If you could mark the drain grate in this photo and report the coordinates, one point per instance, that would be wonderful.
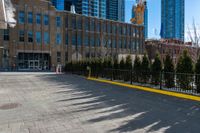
(9, 106)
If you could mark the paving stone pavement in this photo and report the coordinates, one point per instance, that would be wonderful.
(50, 103)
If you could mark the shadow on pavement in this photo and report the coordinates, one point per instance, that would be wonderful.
(128, 109)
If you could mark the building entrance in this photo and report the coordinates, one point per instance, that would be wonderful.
(34, 61)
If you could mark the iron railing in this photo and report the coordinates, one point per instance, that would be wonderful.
(170, 81)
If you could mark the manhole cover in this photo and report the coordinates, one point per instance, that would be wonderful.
(9, 106)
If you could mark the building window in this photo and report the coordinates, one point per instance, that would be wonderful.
(6, 36)
(124, 43)
(73, 38)
(58, 21)
(66, 21)
(66, 38)
(58, 38)
(120, 43)
(124, 30)
(86, 25)
(98, 41)
(104, 26)
(128, 30)
(129, 45)
(46, 38)
(21, 17)
(38, 18)
(114, 43)
(79, 39)
(46, 20)
(30, 17)
(114, 29)
(30, 36)
(98, 26)
(79, 23)
(109, 42)
(108, 28)
(86, 39)
(38, 37)
(73, 22)
(58, 57)
(92, 25)
(119, 30)
(92, 40)
(21, 36)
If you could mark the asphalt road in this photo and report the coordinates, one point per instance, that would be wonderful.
(50, 103)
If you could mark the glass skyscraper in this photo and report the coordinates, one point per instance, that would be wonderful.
(95, 8)
(59, 4)
(173, 19)
(115, 10)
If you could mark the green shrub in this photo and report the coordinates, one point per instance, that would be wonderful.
(184, 70)
(137, 69)
(145, 69)
(169, 72)
(156, 69)
(197, 77)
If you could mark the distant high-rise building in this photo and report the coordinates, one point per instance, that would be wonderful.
(59, 4)
(115, 10)
(172, 19)
(96, 8)
(88, 7)
(67, 4)
(145, 17)
(146, 21)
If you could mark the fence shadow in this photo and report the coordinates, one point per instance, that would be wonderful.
(126, 110)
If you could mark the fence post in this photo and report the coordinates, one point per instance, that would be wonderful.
(89, 69)
(131, 76)
(161, 78)
(111, 74)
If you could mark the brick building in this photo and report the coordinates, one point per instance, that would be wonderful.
(172, 47)
(45, 37)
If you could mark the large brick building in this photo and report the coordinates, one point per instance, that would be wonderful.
(172, 47)
(45, 37)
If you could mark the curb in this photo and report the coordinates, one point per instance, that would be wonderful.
(148, 89)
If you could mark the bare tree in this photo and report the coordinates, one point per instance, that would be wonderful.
(194, 34)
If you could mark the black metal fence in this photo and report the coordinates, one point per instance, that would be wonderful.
(178, 82)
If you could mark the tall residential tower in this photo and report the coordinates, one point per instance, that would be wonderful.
(172, 19)
(59, 4)
(95, 8)
(115, 10)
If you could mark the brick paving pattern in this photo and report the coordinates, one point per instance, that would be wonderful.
(50, 103)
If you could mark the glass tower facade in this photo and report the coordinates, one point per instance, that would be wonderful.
(146, 21)
(59, 4)
(95, 8)
(173, 19)
(115, 10)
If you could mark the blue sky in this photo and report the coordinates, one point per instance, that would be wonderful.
(154, 7)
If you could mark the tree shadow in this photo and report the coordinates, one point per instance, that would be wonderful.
(126, 110)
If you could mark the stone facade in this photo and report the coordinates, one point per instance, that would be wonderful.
(71, 37)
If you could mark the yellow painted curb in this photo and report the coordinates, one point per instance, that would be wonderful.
(169, 93)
